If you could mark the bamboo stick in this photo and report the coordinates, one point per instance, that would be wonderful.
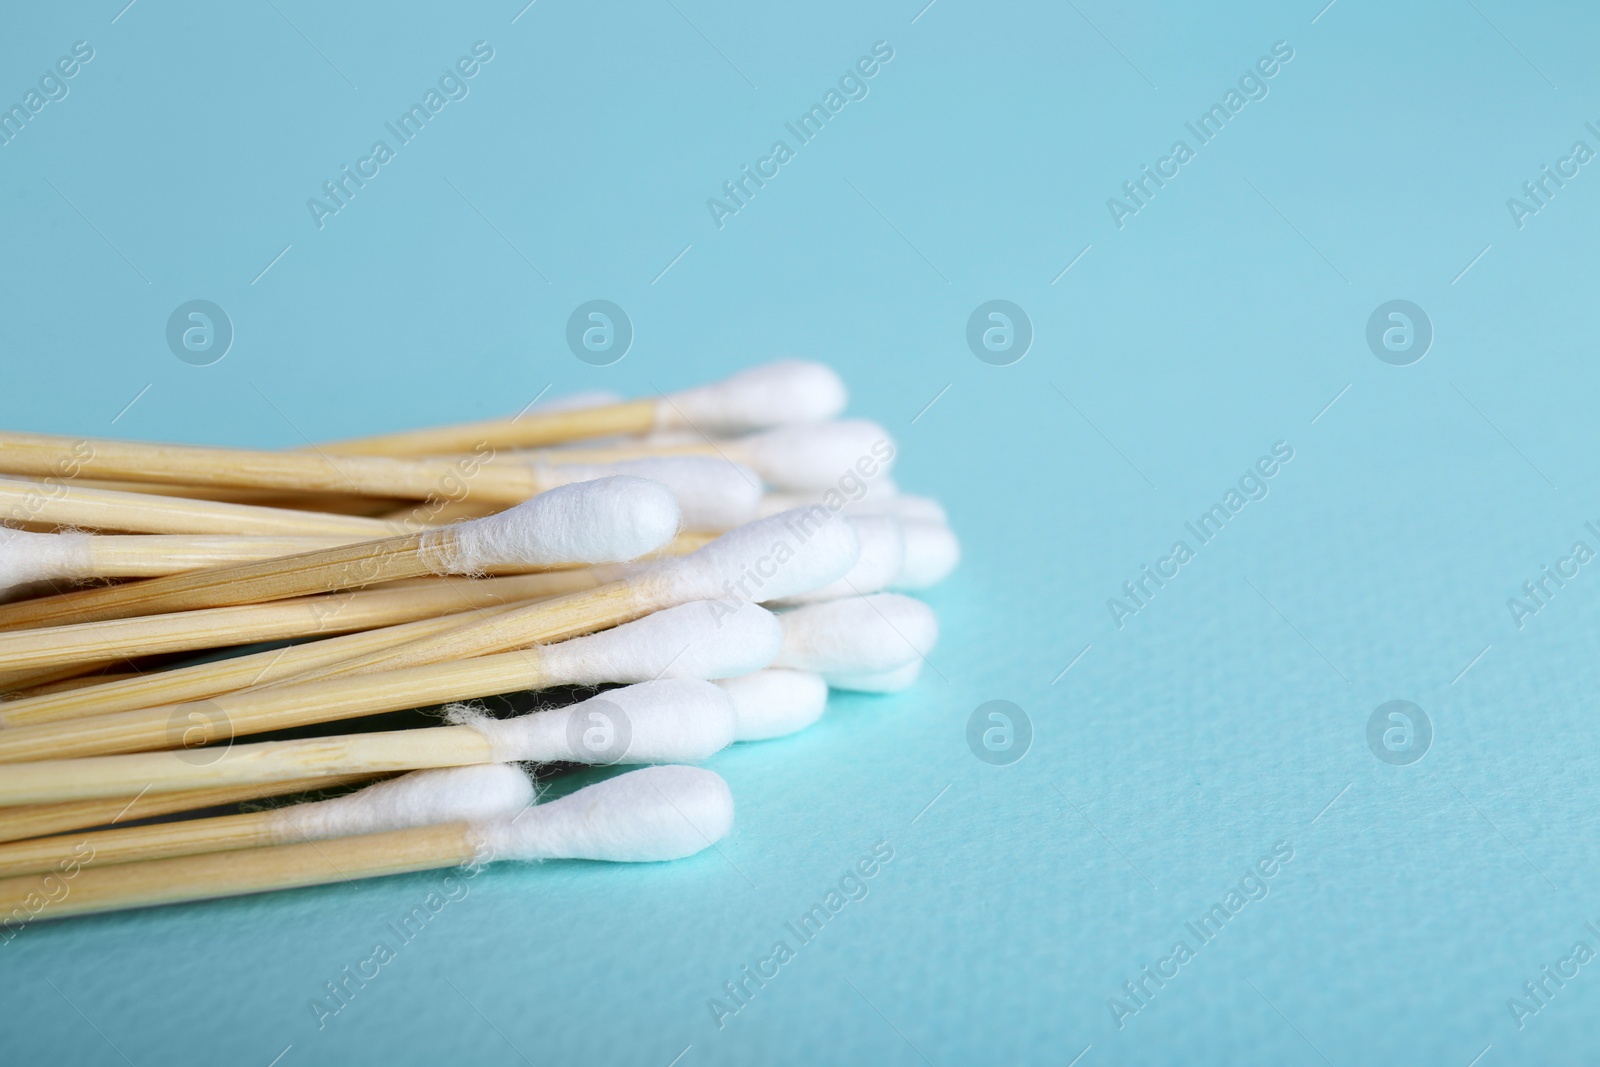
(442, 513)
(61, 504)
(156, 555)
(67, 685)
(15, 682)
(40, 455)
(221, 676)
(523, 431)
(333, 503)
(34, 820)
(255, 711)
(235, 873)
(253, 829)
(277, 578)
(327, 614)
(53, 781)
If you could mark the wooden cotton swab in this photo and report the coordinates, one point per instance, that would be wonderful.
(771, 558)
(76, 556)
(809, 457)
(422, 798)
(262, 668)
(775, 394)
(49, 647)
(508, 481)
(62, 504)
(701, 639)
(652, 814)
(606, 521)
(652, 722)
(39, 455)
(37, 820)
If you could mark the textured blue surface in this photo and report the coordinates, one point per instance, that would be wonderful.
(1227, 314)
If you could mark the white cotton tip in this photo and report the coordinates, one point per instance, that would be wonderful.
(713, 494)
(775, 394)
(700, 639)
(883, 554)
(857, 635)
(780, 556)
(878, 682)
(421, 798)
(775, 703)
(607, 520)
(655, 813)
(817, 456)
(932, 552)
(35, 557)
(672, 720)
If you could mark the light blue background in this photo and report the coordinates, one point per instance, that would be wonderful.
(1228, 715)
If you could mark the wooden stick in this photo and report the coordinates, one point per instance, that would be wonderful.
(40, 455)
(325, 615)
(258, 669)
(555, 619)
(156, 555)
(34, 820)
(255, 711)
(68, 685)
(61, 504)
(14, 682)
(277, 578)
(53, 781)
(130, 844)
(334, 503)
(524, 431)
(158, 841)
(442, 513)
(235, 873)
